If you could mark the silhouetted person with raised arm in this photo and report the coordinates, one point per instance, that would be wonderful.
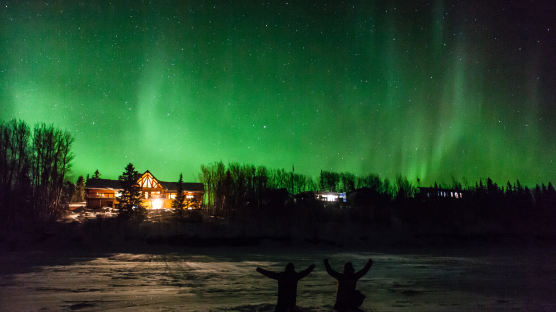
(287, 286)
(348, 298)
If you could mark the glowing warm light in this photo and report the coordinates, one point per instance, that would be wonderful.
(118, 194)
(157, 203)
(190, 196)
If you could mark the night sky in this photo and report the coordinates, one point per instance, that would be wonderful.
(430, 90)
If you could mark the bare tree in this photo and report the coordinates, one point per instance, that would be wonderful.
(51, 161)
(14, 169)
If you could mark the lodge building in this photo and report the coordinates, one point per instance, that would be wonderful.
(157, 194)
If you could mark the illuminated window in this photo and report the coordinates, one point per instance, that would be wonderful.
(190, 196)
(147, 181)
(330, 197)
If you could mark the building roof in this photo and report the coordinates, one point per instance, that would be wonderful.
(103, 183)
(170, 186)
(187, 186)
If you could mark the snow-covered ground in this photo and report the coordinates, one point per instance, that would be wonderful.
(226, 280)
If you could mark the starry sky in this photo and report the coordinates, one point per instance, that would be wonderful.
(432, 90)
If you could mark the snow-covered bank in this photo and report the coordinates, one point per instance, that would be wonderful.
(224, 279)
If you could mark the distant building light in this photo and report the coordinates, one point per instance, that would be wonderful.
(190, 196)
(343, 197)
(330, 197)
(429, 192)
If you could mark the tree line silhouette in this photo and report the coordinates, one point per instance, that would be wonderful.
(238, 189)
(243, 191)
(486, 208)
(34, 164)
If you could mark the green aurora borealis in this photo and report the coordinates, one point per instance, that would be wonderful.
(431, 90)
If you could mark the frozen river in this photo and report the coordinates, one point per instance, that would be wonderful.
(226, 280)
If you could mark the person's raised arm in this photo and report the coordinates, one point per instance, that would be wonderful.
(331, 271)
(364, 270)
(266, 273)
(305, 272)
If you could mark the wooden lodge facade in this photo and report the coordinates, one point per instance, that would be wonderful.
(156, 194)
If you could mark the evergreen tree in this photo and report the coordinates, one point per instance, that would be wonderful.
(96, 175)
(538, 193)
(404, 189)
(192, 203)
(509, 188)
(131, 206)
(518, 188)
(550, 188)
(178, 204)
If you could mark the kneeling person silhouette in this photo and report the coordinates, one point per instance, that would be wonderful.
(287, 286)
(348, 298)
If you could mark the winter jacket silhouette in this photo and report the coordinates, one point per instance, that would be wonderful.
(287, 286)
(348, 298)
